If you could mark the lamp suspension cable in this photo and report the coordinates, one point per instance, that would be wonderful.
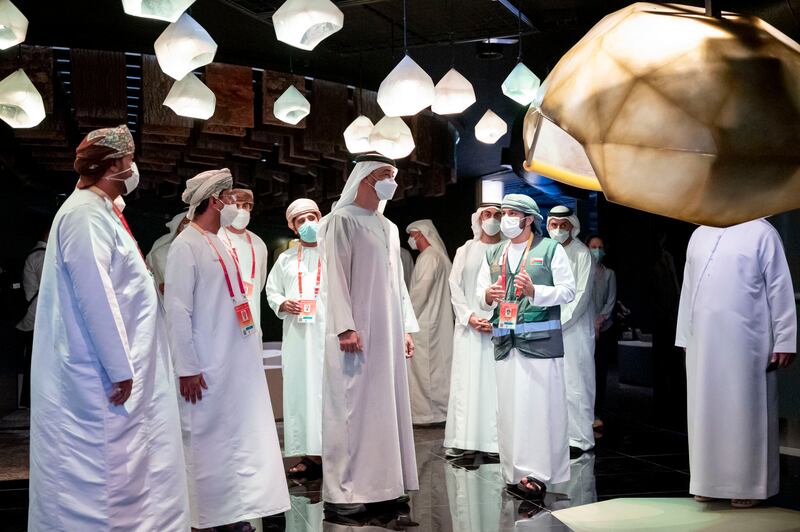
(405, 29)
(519, 31)
(713, 10)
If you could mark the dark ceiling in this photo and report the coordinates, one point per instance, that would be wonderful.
(371, 42)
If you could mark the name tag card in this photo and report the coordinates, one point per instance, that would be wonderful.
(308, 311)
(508, 315)
(245, 317)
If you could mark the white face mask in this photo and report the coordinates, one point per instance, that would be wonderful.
(241, 220)
(131, 182)
(491, 226)
(509, 225)
(227, 214)
(412, 243)
(385, 189)
(559, 235)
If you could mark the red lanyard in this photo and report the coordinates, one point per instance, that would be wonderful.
(126, 226)
(222, 263)
(300, 272)
(522, 261)
(252, 253)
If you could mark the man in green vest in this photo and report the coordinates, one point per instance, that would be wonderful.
(524, 281)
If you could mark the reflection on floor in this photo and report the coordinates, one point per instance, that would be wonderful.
(632, 461)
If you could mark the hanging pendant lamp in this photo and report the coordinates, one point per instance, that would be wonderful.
(291, 107)
(21, 105)
(168, 10)
(356, 136)
(306, 23)
(521, 85)
(13, 25)
(392, 138)
(183, 47)
(453, 94)
(406, 91)
(191, 98)
(490, 128)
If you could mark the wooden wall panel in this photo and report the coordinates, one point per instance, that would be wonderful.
(233, 87)
(98, 88)
(329, 117)
(156, 85)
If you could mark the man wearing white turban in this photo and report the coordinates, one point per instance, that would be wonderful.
(429, 370)
(233, 457)
(294, 294)
(472, 410)
(157, 258)
(577, 324)
(368, 441)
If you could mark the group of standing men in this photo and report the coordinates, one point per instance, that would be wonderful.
(116, 344)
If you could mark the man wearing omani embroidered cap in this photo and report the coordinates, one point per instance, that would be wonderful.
(233, 458)
(429, 370)
(368, 441)
(524, 281)
(247, 247)
(577, 324)
(294, 290)
(472, 409)
(105, 437)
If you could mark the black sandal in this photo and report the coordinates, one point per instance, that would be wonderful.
(313, 470)
(540, 487)
(241, 526)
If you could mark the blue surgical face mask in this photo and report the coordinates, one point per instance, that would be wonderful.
(308, 231)
(597, 253)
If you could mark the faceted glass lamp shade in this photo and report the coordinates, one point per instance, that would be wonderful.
(306, 23)
(392, 138)
(191, 98)
(406, 91)
(291, 107)
(521, 85)
(183, 47)
(356, 136)
(553, 153)
(168, 10)
(453, 94)
(13, 25)
(703, 126)
(490, 128)
(21, 105)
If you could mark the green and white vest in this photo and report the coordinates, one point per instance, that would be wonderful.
(538, 330)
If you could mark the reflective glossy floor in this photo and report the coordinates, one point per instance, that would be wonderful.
(633, 459)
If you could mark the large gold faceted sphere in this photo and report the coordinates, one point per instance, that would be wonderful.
(679, 114)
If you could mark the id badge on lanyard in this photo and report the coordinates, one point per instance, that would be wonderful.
(248, 286)
(509, 310)
(308, 307)
(244, 316)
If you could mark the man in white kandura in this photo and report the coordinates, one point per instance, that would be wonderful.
(524, 281)
(577, 324)
(429, 370)
(472, 410)
(368, 441)
(157, 258)
(738, 324)
(294, 294)
(247, 248)
(105, 449)
(233, 457)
